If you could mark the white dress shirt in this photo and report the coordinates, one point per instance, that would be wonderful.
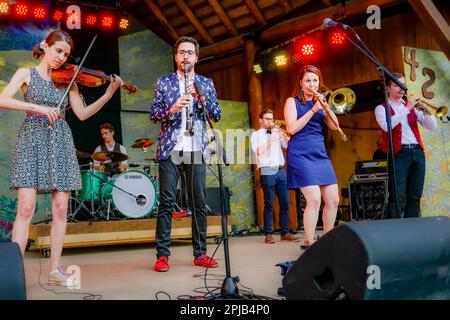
(185, 142)
(401, 117)
(273, 157)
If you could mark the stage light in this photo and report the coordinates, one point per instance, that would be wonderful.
(107, 21)
(280, 59)
(4, 7)
(337, 38)
(308, 49)
(91, 20)
(58, 15)
(123, 23)
(21, 9)
(257, 68)
(295, 57)
(40, 13)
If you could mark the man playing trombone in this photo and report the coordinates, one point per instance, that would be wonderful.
(408, 148)
(267, 144)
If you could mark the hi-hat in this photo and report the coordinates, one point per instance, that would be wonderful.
(82, 154)
(142, 143)
(103, 156)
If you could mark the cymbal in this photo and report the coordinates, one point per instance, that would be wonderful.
(102, 156)
(82, 154)
(142, 143)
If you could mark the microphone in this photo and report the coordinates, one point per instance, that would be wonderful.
(328, 23)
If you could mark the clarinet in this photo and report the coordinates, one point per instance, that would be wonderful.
(189, 131)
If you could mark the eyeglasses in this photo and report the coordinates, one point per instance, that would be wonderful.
(183, 52)
(268, 119)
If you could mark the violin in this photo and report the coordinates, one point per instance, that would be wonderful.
(86, 77)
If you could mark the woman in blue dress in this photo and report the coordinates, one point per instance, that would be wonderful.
(44, 159)
(308, 165)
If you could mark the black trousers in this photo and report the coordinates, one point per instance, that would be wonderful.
(189, 166)
(410, 175)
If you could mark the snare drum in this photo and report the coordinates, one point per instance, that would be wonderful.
(92, 181)
(133, 193)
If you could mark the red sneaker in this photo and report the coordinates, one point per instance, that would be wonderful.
(162, 264)
(205, 261)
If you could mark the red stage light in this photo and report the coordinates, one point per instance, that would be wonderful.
(4, 7)
(58, 15)
(21, 9)
(91, 20)
(337, 38)
(123, 23)
(308, 49)
(40, 13)
(107, 22)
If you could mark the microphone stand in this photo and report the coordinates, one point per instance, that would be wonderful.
(384, 74)
(229, 287)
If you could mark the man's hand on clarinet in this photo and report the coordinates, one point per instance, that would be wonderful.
(180, 104)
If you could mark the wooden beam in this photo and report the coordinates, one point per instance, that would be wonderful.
(255, 12)
(254, 106)
(191, 17)
(162, 19)
(222, 47)
(433, 20)
(327, 2)
(285, 5)
(215, 5)
(286, 28)
(293, 26)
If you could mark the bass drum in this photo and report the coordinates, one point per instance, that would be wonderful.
(133, 193)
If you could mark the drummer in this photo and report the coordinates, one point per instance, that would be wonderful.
(109, 144)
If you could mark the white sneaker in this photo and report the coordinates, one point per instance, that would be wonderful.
(59, 277)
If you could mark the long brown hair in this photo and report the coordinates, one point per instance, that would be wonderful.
(52, 37)
(297, 91)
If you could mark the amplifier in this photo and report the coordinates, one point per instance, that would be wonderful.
(370, 166)
(368, 194)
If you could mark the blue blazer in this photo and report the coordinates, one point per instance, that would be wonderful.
(166, 93)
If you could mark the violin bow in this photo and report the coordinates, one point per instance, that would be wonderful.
(76, 72)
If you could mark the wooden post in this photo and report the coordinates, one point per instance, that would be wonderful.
(254, 105)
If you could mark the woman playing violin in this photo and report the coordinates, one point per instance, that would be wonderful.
(44, 159)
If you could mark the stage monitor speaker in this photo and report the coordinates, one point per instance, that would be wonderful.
(12, 277)
(375, 260)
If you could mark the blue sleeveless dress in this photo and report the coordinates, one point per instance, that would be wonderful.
(307, 160)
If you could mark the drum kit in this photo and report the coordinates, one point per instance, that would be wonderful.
(130, 194)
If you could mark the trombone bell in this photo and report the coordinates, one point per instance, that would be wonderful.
(342, 100)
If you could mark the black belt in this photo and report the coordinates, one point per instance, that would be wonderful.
(411, 146)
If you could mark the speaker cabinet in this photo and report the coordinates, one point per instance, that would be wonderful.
(375, 260)
(12, 277)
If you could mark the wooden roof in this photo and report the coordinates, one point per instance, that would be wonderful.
(221, 25)
(212, 21)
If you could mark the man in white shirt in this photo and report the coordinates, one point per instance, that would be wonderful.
(109, 144)
(267, 144)
(408, 148)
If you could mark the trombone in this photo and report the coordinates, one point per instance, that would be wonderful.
(276, 124)
(321, 98)
(423, 105)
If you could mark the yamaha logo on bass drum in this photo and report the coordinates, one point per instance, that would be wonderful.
(133, 176)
